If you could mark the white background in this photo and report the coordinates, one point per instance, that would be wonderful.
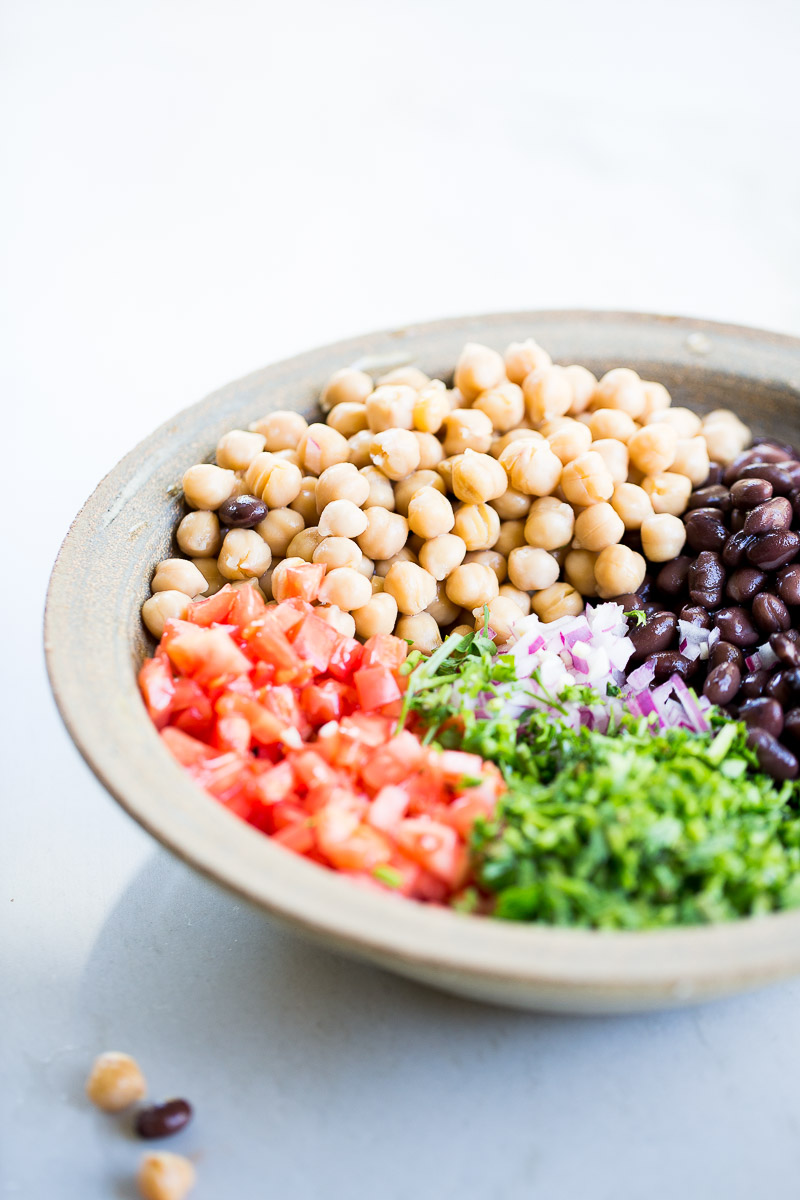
(192, 189)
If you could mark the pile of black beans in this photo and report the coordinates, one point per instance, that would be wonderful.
(740, 574)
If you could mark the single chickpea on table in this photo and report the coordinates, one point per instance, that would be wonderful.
(522, 485)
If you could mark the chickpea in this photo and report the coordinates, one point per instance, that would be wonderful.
(206, 486)
(478, 369)
(560, 600)
(265, 580)
(244, 554)
(531, 568)
(611, 423)
(430, 407)
(421, 630)
(467, 429)
(548, 393)
(504, 613)
(377, 584)
(620, 388)
(165, 1176)
(478, 477)
(663, 537)
(691, 459)
(472, 585)
(320, 447)
(512, 534)
(598, 527)
(304, 543)
(384, 565)
(412, 586)
(652, 448)
(583, 384)
(579, 571)
(406, 489)
(520, 598)
(348, 419)
(512, 505)
(115, 1082)
(409, 375)
(391, 407)
(587, 480)
(360, 445)
(281, 430)
(199, 534)
(385, 535)
(342, 518)
(379, 615)
(463, 630)
(237, 449)
(211, 573)
(342, 622)
(347, 386)
(395, 452)
(443, 611)
(381, 492)
(478, 525)
(162, 606)
(444, 470)
(725, 436)
(514, 435)
(342, 481)
(290, 456)
(305, 502)
(618, 570)
(550, 524)
(431, 451)
(430, 513)
(338, 552)
(442, 554)
(532, 467)
(521, 358)
(632, 504)
(656, 398)
(346, 588)
(668, 492)
(489, 558)
(178, 575)
(274, 480)
(615, 455)
(280, 589)
(569, 440)
(504, 405)
(366, 567)
(685, 423)
(279, 527)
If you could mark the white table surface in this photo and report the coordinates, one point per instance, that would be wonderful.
(194, 189)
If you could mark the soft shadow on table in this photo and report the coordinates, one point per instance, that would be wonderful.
(307, 1067)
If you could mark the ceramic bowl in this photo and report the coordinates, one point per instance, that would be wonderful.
(95, 642)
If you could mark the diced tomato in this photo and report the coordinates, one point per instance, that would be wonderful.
(315, 642)
(295, 837)
(312, 769)
(388, 808)
(287, 813)
(435, 847)
(247, 606)
(191, 710)
(289, 615)
(188, 750)
(346, 658)
(281, 701)
(371, 729)
(269, 642)
(384, 650)
(394, 762)
(233, 733)
(324, 702)
(303, 581)
(158, 689)
(376, 686)
(276, 784)
(207, 655)
(456, 765)
(221, 773)
(265, 727)
(214, 610)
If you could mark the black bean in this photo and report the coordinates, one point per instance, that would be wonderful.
(773, 514)
(791, 724)
(706, 579)
(754, 684)
(773, 758)
(705, 530)
(645, 589)
(670, 662)
(778, 686)
(747, 493)
(722, 683)
(695, 615)
(795, 499)
(763, 713)
(736, 519)
(789, 585)
(735, 626)
(650, 608)
(784, 447)
(629, 601)
(725, 652)
(781, 478)
(786, 647)
(242, 512)
(712, 497)
(162, 1120)
(743, 584)
(736, 548)
(715, 473)
(655, 636)
(773, 550)
(755, 455)
(770, 613)
(672, 576)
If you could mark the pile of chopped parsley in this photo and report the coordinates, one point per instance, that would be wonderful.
(631, 829)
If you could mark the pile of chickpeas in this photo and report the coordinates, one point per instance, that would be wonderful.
(525, 486)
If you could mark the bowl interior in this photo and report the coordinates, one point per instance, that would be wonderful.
(95, 642)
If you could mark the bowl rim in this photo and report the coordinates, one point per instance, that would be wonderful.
(685, 961)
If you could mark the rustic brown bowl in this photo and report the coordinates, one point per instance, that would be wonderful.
(95, 642)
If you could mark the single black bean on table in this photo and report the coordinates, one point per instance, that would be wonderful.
(162, 1120)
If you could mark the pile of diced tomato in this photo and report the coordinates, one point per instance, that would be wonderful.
(292, 726)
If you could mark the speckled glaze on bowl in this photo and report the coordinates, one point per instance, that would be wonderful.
(94, 643)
